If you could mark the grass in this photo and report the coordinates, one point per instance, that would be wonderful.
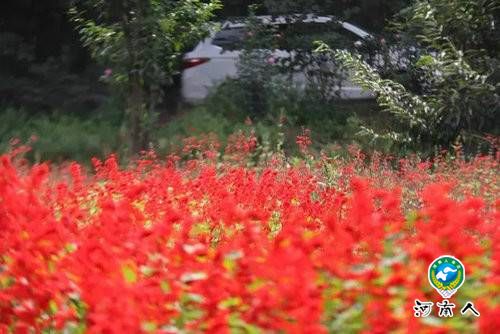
(68, 136)
(57, 137)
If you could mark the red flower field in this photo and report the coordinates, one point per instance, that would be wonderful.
(226, 245)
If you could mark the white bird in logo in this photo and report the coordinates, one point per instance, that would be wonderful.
(442, 274)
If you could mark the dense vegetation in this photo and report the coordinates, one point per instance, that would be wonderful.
(458, 99)
(420, 113)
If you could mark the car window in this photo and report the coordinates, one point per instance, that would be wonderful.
(301, 36)
(296, 36)
(230, 38)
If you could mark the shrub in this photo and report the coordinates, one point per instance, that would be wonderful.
(459, 97)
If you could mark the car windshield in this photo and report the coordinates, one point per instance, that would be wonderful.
(296, 36)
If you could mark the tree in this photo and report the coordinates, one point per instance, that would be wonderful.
(141, 41)
(459, 97)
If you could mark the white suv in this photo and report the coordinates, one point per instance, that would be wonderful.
(215, 58)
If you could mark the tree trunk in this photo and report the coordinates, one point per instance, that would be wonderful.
(137, 100)
(136, 111)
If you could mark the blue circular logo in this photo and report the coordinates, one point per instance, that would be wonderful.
(446, 275)
(446, 272)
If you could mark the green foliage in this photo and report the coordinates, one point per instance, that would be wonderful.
(329, 121)
(203, 121)
(143, 35)
(467, 25)
(459, 100)
(394, 98)
(141, 41)
(196, 122)
(59, 137)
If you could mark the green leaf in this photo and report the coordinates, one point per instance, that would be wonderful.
(230, 302)
(53, 306)
(129, 274)
(149, 327)
(165, 287)
(239, 326)
(426, 60)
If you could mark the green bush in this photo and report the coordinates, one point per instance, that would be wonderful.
(458, 99)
